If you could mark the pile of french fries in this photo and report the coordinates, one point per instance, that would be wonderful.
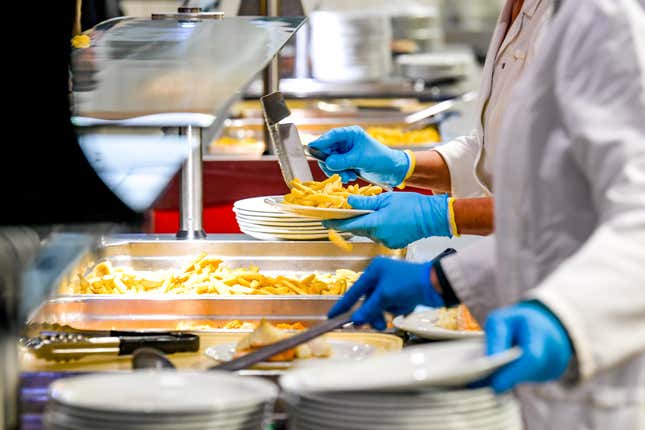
(329, 193)
(207, 275)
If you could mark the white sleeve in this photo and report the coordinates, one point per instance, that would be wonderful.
(599, 292)
(460, 155)
(471, 273)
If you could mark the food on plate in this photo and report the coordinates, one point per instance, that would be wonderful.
(329, 193)
(339, 241)
(457, 318)
(266, 334)
(207, 275)
(392, 136)
(81, 41)
(234, 325)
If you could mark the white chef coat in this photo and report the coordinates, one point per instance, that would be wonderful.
(570, 213)
(469, 157)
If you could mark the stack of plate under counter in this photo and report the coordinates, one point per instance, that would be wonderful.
(160, 400)
(418, 388)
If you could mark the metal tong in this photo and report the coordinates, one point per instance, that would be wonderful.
(63, 343)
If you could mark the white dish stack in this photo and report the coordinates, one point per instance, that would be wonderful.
(475, 409)
(265, 222)
(160, 400)
(351, 46)
(420, 387)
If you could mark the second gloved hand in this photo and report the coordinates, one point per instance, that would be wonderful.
(389, 285)
(351, 149)
(546, 348)
(400, 218)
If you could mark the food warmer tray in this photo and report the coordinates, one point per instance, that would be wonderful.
(168, 311)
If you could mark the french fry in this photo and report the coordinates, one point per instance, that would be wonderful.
(329, 193)
(339, 241)
(207, 276)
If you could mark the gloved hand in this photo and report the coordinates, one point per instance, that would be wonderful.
(351, 148)
(389, 285)
(545, 343)
(400, 218)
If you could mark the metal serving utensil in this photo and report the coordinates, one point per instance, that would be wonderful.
(285, 139)
(418, 119)
(321, 156)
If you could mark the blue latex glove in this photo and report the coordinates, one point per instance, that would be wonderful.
(400, 218)
(545, 343)
(351, 149)
(389, 285)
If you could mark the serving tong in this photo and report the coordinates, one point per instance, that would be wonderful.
(55, 342)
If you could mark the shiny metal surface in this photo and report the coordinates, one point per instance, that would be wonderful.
(166, 311)
(170, 73)
(191, 204)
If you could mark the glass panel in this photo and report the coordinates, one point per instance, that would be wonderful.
(150, 70)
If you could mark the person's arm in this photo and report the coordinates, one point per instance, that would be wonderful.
(599, 292)
(431, 172)
(474, 216)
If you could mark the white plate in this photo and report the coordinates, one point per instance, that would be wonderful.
(162, 391)
(256, 205)
(289, 236)
(424, 324)
(276, 222)
(341, 350)
(384, 402)
(494, 418)
(280, 216)
(436, 365)
(312, 212)
(279, 230)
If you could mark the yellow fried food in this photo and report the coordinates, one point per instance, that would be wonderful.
(339, 241)
(81, 41)
(397, 137)
(457, 318)
(329, 193)
(207, 275)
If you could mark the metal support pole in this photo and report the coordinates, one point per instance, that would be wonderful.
(271, 74)
(190, 198)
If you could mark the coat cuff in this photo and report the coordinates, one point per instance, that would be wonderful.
(460, 159)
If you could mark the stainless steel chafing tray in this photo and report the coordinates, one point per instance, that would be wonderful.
(167, 311)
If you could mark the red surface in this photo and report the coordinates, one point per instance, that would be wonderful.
(224, 183)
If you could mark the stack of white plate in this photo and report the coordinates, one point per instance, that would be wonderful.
(476, 409)
(352, 45)
(420, 387)
(265, 222)
(160, 400)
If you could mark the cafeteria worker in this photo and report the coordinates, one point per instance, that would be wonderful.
(563, 277)
(462, 167)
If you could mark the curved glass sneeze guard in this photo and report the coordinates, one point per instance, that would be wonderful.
(171, 73)
(163, 73)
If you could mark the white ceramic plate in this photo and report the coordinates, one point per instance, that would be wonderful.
(441, 364)
(424, 324)
(312, 212)
(289, 236)
(256, 205)
(280, 216)
(277, 222)
(280, 230)
(376, 402)
(162, 391)
(496, 418)
(341, 350)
